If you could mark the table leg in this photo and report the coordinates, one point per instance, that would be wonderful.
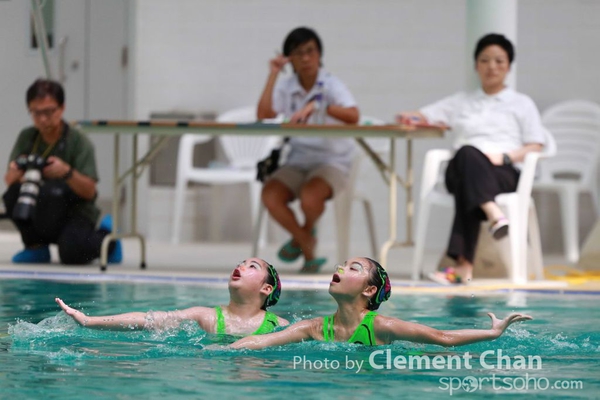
(410, 204)
(115, 205)
(393, 198)
(117, 182)
(134, 231)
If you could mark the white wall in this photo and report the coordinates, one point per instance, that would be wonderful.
(394, 55)
(559, 50)
(14, 77)
(214, 55)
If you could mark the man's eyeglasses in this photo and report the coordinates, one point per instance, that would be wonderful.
(46, 112)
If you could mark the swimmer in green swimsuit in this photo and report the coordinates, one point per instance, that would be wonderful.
(254, 286)
(359, 287)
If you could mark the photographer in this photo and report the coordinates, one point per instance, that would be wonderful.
(51, 181)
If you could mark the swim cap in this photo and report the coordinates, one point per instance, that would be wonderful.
(383, 284)
(273, 280)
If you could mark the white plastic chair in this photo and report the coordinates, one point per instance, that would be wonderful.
(519, 208)
(575, 125)
(342, 204)
(242, 153)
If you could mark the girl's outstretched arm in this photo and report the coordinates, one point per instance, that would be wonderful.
(390, 329)
(137, 320)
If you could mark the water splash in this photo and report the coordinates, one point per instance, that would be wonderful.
(60, 324)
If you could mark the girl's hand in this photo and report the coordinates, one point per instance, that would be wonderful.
(77, 315)
(499, 326)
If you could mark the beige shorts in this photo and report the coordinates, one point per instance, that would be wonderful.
(294, 177)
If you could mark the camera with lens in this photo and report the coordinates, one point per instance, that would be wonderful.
(269, 165)
(32, 164)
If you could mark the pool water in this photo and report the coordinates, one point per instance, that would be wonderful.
(44, 354)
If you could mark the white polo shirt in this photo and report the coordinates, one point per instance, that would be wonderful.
(310, 152)
(496, 123)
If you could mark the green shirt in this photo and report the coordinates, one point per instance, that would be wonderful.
(270, 322)
(364, 333)
(76, 150)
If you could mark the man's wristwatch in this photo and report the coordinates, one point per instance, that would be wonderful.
(68, 175)
(506, 159)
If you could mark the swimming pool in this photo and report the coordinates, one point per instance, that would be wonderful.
(43, 354)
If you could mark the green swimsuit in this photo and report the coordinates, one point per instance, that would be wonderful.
(268, 325)
(364, 333)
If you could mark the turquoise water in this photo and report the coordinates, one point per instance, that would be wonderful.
(43, 354)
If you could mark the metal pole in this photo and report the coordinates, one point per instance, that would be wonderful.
(116, 186)
(410, 205)
(40, 34)
(134, 178)
(115, 207)
(133, 207)
(393, 199)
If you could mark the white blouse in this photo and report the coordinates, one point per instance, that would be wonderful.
(496, 123)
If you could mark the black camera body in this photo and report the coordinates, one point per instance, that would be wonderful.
(269, 165)
(31, 161)
(32, 164)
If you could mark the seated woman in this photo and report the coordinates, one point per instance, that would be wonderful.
(359, 287)
(495, 127)
(317, 168)
(254, 286)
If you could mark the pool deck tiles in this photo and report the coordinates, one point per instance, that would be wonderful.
(209, 264)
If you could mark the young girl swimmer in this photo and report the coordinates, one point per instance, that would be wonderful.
(254, 286)
(359, 287)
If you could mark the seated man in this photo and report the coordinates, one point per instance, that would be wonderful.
(317, 168)
(51, 181)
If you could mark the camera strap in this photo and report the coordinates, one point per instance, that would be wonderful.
(60, 143)
(36, 143)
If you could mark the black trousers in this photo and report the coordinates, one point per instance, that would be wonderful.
(78, 241)
(473, 180)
